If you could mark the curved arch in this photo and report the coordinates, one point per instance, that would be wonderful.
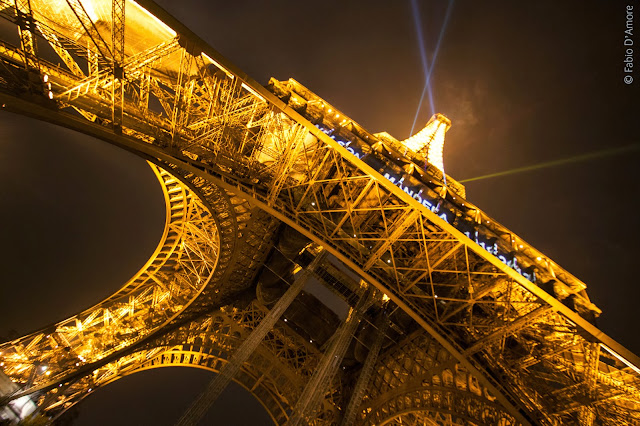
(309, 220)
(179, 269)
(271, 155)
(428, 418)
(437, 399)
(219, 126)
(419, 376)
(200, 262)
(275, 374)
(194, 359)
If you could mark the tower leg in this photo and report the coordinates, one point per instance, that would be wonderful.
(366, 372)
(201, 405)
(315, 390)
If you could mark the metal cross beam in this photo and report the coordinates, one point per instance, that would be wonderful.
(366, 373)
(466, 280)
(315, 389)
(205, 400)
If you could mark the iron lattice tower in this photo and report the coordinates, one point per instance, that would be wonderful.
(457, 319)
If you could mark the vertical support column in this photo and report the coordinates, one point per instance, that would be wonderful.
(587, 413)
(180, 112)
(93, 64)
(145, 90)
(117, 47)
(315, 390)
(24, 19)
(26, 31)
(365, 374)
(201, 405)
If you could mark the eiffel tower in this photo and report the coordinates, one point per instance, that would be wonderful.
(451, 318)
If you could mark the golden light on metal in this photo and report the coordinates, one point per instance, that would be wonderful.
(430, 140)
(155, 24)
(235, 160)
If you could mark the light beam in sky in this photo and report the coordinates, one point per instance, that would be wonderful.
(427, 70)
(547, 164)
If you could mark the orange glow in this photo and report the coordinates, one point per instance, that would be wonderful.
(157, 21)
(430, 140)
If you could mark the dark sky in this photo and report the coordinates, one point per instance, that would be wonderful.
(522, 82)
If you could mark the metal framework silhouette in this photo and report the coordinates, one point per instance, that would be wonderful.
(453, 319)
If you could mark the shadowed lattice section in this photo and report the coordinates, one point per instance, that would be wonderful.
(504, 314)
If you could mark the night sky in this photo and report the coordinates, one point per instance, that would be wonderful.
(522, 84)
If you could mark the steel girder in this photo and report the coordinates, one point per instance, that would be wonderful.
(522, 338)
(275, 373)
(179, 269)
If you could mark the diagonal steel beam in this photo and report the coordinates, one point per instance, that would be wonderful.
(319, 383)
(434, 265)
(405, 221)
(63, 53)
(205, 400)
(91, 30)
(510, 328)
(366, 373)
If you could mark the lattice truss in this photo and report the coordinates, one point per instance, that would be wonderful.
(418, 377)
(176, 273)
(275, 374)
(510, 317)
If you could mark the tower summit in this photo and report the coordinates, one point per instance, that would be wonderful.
(430, 140)
(449, 316)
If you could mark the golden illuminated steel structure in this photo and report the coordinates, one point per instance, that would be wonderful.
(480, 330)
